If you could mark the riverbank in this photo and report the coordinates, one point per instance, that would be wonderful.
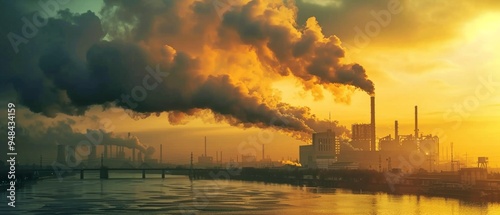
(425, 184)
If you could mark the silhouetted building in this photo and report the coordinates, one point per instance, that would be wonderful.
(205, 160)
(322, 152)
(469, 176)
(361, 136)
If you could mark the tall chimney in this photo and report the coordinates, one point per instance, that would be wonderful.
(216, 157)
(205, 146)
(161, 153)
(372, 146)
(396, 131)
(416, 123)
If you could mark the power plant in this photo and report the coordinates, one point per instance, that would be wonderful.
(206, 160)
(364, 151)
(67, 153)
(327, 150)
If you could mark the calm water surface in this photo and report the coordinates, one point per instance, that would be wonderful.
(128, 193)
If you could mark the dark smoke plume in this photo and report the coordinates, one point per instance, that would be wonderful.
(38, 137)
(153, 57)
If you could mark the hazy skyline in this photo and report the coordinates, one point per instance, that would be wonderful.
(250, 62)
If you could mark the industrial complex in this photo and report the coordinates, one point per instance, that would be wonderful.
(327, 150)
(364, 151)
(404, 164)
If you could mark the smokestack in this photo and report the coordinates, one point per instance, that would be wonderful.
(396, 131)
(216, 157)
(416, 123)
(221, 156)
(372, 103)
(205, 146)
(161, 153)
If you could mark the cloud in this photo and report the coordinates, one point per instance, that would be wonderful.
(419, 24)
(177, 57)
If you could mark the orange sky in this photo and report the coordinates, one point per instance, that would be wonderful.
(439, 56)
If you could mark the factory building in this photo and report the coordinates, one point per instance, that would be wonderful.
(205, 160)
(361, 136)
(323, 151)
(407, 153)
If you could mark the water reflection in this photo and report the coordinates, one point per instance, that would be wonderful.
(179, 195)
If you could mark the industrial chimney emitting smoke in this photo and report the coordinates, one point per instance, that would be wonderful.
(133, 150)
(372, 103)
(416, 123)
(396, 131)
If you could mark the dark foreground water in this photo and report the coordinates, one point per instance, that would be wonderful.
(127, 193)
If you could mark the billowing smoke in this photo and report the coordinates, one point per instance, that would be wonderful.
(349, 147)
(174, 56)
(112, 139)
(291, 163)
(304, 52)
(40, 137)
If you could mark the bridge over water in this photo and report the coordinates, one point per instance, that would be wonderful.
(104, 171)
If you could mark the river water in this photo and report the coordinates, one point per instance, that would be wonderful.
(127, 193)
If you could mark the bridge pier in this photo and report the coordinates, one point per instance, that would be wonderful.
(143, 173)
(104, 173)
(81, 173)
(162, 173)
